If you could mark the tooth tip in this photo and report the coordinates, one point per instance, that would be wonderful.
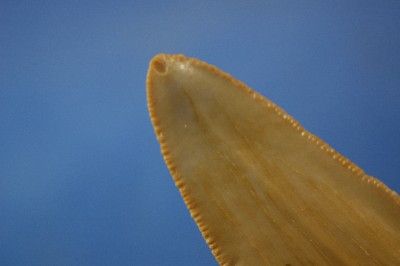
(158, 65)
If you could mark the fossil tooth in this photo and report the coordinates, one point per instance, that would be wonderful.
(262, 189)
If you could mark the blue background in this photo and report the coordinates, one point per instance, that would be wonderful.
(82, 181)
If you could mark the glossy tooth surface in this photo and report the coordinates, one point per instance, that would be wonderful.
(262, 189)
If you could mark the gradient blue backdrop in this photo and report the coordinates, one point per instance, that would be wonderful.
(82, 181)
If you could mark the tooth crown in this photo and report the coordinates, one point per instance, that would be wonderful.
(262, 189)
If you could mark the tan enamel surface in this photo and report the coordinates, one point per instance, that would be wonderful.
(262, 190)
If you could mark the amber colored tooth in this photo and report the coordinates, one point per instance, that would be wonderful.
(262, 189)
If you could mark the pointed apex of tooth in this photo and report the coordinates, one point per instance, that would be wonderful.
(161, 63)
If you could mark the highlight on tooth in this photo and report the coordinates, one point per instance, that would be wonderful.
(261, 188)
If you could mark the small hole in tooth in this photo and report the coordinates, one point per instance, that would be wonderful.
(160, 65)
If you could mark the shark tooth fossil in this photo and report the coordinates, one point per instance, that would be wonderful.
(261, 188)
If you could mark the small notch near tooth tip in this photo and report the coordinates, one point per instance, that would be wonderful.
(160, 65)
